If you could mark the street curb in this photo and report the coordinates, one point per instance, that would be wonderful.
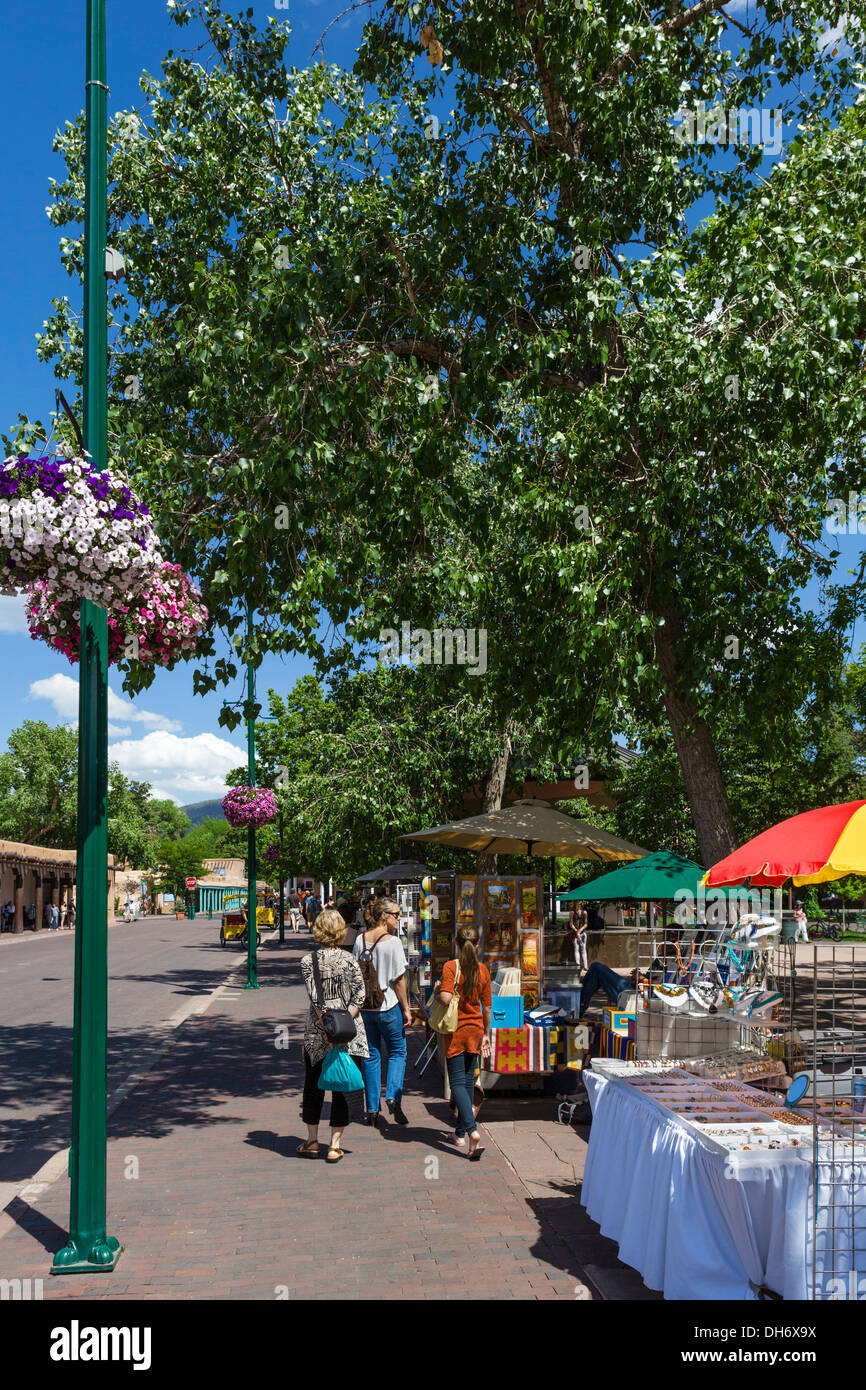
(56, 1166)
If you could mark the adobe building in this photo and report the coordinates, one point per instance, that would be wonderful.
(33, 875)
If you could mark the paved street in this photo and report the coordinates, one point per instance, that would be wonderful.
(158, 969)
(209, 1199)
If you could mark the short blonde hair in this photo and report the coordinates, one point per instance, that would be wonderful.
(329, 928)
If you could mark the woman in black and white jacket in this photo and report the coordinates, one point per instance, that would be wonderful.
(343, 988)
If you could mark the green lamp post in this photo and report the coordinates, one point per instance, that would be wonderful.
(89, 1249)
(252, 924)
(282, 887)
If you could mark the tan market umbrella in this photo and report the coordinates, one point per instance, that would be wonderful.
(531, 827)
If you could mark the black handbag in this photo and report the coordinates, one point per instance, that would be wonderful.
(338, 1025)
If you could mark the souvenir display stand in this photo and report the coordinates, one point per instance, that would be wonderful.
(507, 911)
(708, 990)
(768, 1177)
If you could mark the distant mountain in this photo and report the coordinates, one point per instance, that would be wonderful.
(204, 810)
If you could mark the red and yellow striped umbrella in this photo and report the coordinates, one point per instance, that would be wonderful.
(815, 847)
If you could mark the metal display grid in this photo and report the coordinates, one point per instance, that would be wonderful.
(831, 1024)
(717, 998)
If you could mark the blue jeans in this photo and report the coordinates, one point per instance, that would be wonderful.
(461, 1076)
(600, 976)
(387, 1027)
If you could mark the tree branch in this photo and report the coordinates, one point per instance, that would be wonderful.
(671, 26)
(537, 139)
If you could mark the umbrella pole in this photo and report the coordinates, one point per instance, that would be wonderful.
(552, 893)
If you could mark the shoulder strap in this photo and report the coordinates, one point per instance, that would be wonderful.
(317, 976)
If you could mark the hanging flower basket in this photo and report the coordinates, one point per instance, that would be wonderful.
(272, 854)
(85, 533)
(159, 626)
(249, 806)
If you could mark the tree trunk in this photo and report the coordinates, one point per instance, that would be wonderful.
(704, 784)
(492, 792)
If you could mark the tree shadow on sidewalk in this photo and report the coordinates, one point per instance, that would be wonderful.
(214, 1061)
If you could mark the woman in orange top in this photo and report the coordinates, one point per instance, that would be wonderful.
(471, 1038)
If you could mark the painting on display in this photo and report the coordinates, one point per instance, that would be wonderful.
(500, 934)
(499, 897)
(529, 904)
(529, 954)
(466, 900)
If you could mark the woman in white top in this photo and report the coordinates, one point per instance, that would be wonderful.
(383, 959)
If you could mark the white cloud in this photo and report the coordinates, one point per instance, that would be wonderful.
(12, 613)
(62, 691)
(178, 769)
(182, 769)
(836, 37)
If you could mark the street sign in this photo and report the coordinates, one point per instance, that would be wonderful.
(192, 883)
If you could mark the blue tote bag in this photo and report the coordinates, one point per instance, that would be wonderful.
(339, 1072)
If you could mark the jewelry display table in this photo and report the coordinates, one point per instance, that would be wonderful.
(698, 1222)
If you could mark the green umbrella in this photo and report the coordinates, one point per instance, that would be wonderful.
(654, 878)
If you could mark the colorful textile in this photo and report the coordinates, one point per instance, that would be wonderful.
(510, 1050)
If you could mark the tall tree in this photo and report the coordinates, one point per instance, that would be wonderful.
(376, 367)
(381, 753)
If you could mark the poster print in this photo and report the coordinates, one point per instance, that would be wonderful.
(443, 888)
(499, 960)
(499, 897)
(529, 904)
(466, 900)
(529, 954)
(501, 934)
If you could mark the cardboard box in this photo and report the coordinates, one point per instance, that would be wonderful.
(618, 1021)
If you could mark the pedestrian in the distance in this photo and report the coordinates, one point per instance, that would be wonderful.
(470, 1040)
(801, 933)
(312, 908)
(71, 917)
(63, 913)
(342, 988)
(578, 924)
(386, 1009)
(296, 917)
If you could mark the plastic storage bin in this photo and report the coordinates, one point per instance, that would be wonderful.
(507, 1011)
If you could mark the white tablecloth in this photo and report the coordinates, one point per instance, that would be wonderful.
(695, 1223)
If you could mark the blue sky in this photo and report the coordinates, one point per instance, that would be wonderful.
(168, 736)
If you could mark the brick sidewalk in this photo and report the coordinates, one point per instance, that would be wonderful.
(222, 1207)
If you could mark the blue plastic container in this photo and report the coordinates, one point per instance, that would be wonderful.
(506, 1011)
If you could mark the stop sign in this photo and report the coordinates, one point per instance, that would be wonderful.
(192, 883)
